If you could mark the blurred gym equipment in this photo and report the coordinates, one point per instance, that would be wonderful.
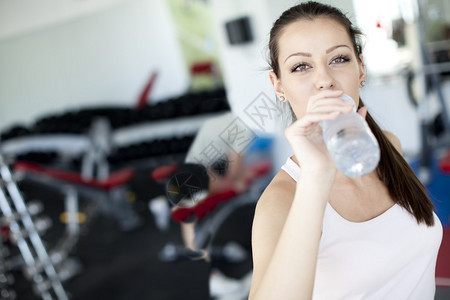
(93, 155)
(25, 232)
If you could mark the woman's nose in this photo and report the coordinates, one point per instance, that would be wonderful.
(324, 80)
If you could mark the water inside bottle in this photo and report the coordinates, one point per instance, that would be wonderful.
(355, 153)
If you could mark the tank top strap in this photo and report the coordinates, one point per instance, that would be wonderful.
(291, 168)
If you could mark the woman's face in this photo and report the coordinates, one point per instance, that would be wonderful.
(314, 56)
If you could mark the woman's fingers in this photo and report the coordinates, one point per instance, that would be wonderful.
(328, 94)
(318, 117)
(324, 106)
(306, 125)
(331, 104)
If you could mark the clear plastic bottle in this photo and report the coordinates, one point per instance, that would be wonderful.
(353, 147)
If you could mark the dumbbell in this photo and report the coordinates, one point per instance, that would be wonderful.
(42, 224)
(33, 272)
(14, 132)
(65, 266)
(8, 294)
(34, 207)
(40, 285)
(6, 279)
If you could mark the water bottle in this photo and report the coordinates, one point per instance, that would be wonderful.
(352, 146)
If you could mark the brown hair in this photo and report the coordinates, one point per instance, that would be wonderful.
(403, 185)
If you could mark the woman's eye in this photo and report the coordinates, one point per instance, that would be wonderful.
(301, 68)
(340, 59)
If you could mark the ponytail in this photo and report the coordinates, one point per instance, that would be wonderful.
(404, 187)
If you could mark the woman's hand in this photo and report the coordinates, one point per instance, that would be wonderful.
(305, 134)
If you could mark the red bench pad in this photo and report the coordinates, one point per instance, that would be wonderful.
(203, 207)
(115, 179)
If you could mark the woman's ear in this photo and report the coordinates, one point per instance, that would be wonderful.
(276, 83)
(362, 69)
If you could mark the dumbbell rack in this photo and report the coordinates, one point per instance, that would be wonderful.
(46, 281)
(6, 278)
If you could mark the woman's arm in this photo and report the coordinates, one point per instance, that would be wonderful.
(286, 237)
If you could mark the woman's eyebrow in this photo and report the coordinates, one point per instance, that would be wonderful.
(335, 47)
(309, 54)
(299, 54)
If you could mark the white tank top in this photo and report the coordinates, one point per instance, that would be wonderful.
(387, 257)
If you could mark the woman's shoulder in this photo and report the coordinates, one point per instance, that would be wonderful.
(395, 141)
(271, 212)
(278, 195)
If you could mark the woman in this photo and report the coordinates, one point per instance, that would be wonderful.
(317, 233)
